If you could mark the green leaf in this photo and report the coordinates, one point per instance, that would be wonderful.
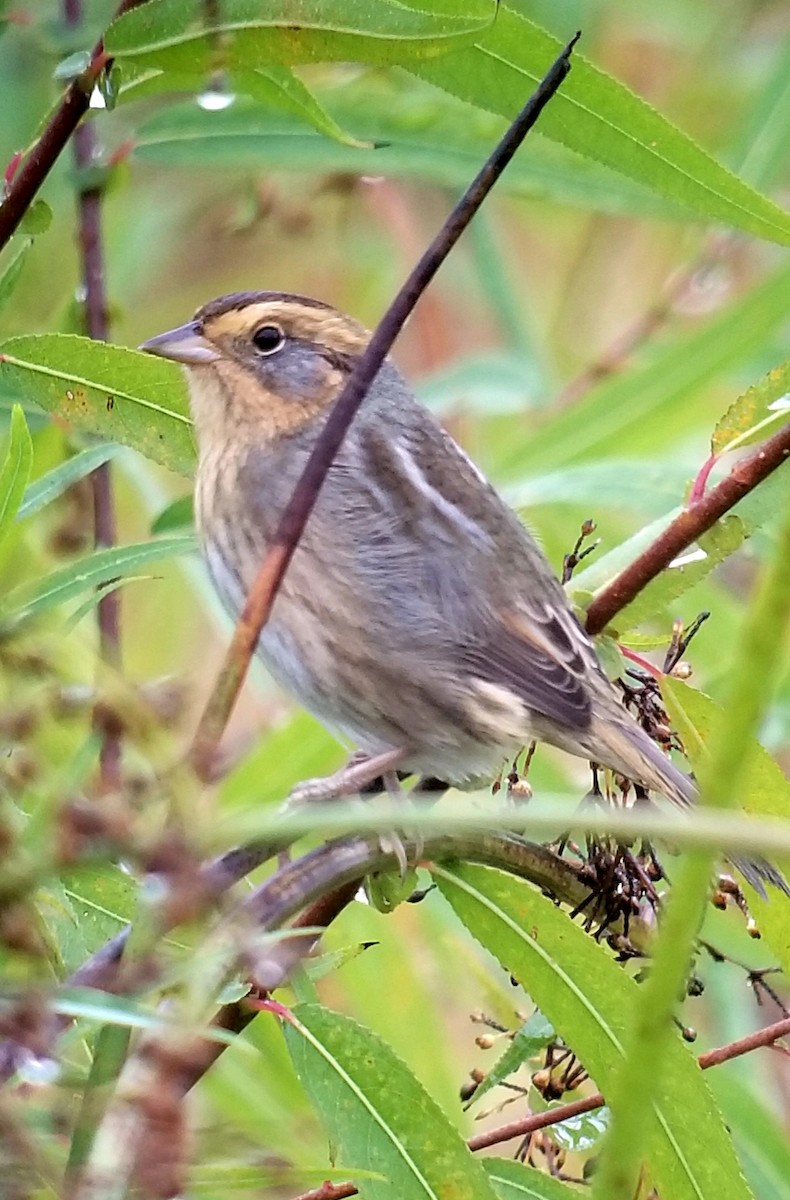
(598, 117)
(117, 394)
(759, 1136)
(37, 219)
(515, 1181)
(754, 414)
(533, 1036)
(180, 514)
(279, 86)
(589, 1000)
(55, 482)
(620, 417)
(174, 35)
(15, 471)
(415, 132)
(33, 599)
(9, 277)
(381, 1119)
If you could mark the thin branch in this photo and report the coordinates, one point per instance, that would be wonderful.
(320, 874)
(94, 297)
(24, 186)
(261, 597)
(687, 527)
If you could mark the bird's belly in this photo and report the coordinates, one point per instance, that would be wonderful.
(364, 693)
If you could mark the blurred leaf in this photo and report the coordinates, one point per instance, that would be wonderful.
(620, 417)
(33, 599)
(15, 470)
(117, 394)
(9, 277)
(652, 486)
(430, 136)
(751, 417)
(533, 1036)
(175, 35)
(598, 117)
(760, 1138)
(37, 219)
(589, 1000)
(107, 1009)
(104, 898)
(764, 144)
(515, 1181)
(279, 85)
(766, 792)
(178, 515)
(55, 482)
(378, 1115)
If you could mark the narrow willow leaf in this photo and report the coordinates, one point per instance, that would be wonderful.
(33, 599)
(515, 1181)
(174, 35)
(10, 275)
(55, 482)
(106, 1009)
(533, 1036)
(95, 598)
(619, 417)
(756, 413)
(378, 1115)
(589, 1000)
(600, 118)
(757, 1131)
(279, 85)
(15, 471)
(427, 136)
(117, 394)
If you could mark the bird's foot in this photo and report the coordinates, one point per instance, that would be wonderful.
(358, 773)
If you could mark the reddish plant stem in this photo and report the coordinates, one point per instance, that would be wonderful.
(94, 298)
(686, 528)
(575, 1108)
(261, 597)
(44, 154)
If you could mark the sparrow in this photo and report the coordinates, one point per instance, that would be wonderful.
(418, 620)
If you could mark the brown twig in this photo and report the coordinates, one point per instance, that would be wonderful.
(686, 528)
(575, 1108)
(261, 597)
(94, 297)
(27, 180)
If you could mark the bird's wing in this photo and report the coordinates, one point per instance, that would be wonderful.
(479, 583)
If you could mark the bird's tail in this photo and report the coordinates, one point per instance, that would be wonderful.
(635, 755)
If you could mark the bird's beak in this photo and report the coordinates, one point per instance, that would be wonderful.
(185, 344)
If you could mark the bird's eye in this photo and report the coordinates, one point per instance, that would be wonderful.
(268, 339)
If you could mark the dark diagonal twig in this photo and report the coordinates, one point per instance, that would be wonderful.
(261, 597)
(27, 180)
(89, 201)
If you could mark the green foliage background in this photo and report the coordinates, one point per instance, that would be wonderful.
(225, 170)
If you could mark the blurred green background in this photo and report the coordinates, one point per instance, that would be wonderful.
(581, 342)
